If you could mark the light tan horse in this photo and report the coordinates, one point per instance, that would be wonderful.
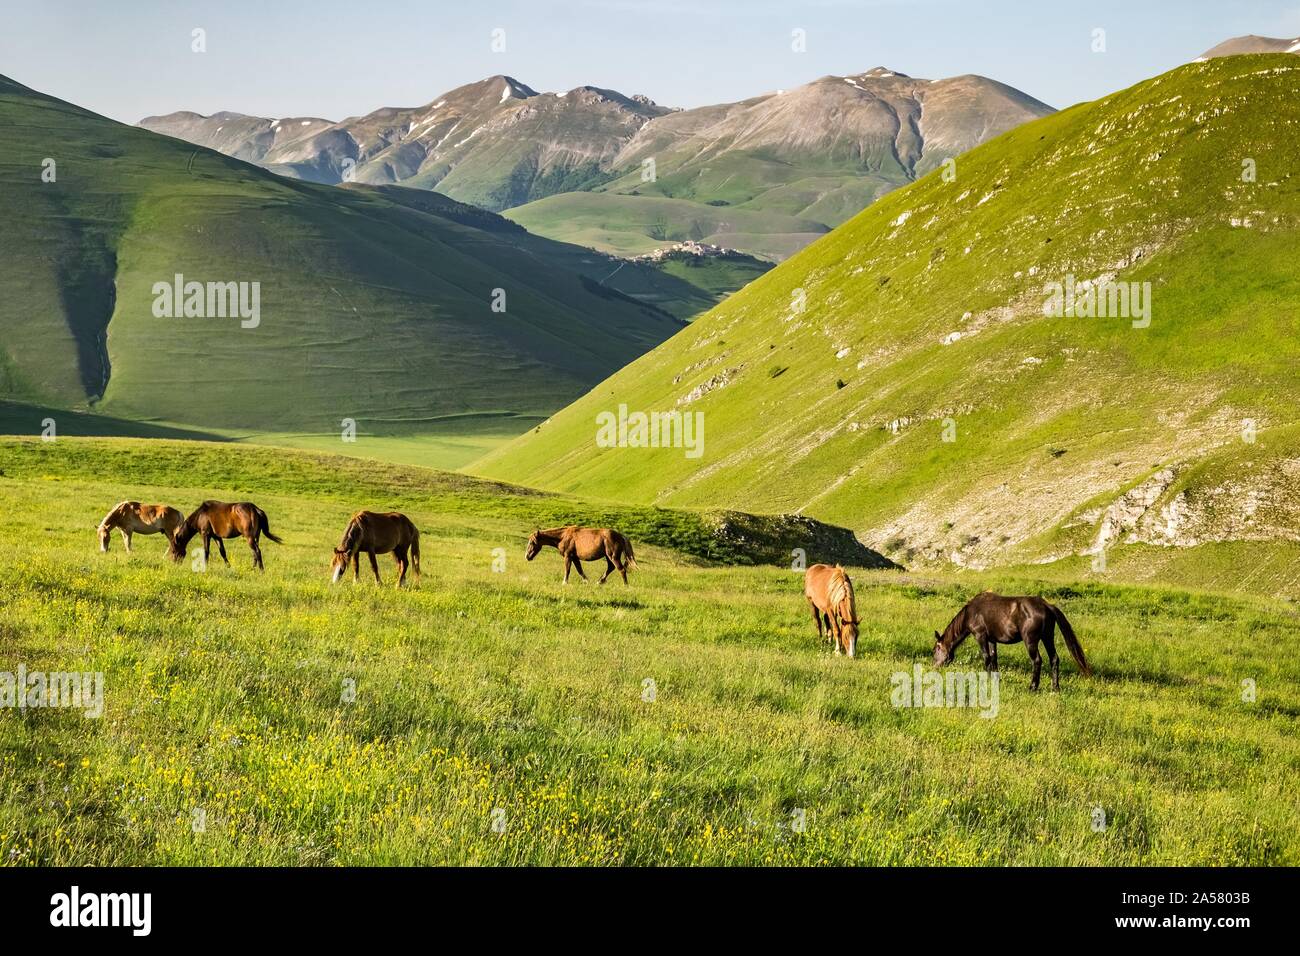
(829, 593)
(216, 520)
(131, 517)
(578, 544)
(377, 533)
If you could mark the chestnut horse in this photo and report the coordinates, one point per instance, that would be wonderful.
(829, 593)
(376, 533)
(995, 619)
(131, 517)
(218, 520)
(579, 544)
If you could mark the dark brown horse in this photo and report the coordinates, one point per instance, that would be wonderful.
(218, 520)
(994, 619)
(378, 533)
(131, 517)
(829, 593)
(579, 544)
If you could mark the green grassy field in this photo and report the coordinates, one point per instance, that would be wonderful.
(487, 696)
(634, 225)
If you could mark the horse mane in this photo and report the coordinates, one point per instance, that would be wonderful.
(351, 532)
(117, 511)
(841, 590)
(957, 626)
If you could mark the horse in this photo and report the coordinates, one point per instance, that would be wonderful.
(218, 520)
(995, 619)
(579, 544)
(829, 593)
(131, 517)
(376, 533)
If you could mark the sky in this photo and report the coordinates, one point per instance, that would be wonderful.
(133, 58)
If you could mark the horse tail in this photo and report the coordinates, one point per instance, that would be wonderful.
(631, 558)
(265, 526)
(1072, 642)
(415, 549)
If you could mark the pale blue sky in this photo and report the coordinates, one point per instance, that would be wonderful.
(132, 58)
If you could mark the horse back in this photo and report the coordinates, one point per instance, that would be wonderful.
(817, 584)
(1004, 617)
(381, 531)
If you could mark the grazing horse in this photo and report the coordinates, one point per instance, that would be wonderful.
(829, 593)
(376, 533)
(131, 517)
(579, 544)
(995, 619)
(218, 520)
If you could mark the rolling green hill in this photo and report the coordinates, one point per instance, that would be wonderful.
(900, 376)
(374, 304)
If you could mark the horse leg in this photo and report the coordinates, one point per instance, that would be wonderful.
(1031, 644)
(1049, 641)
(990, 651)
(568, 563)
(356, 567)
(399, 555)
(257, 553)
(126, 540)
(577, 566)
(609, 569)
(207, 549)
(817, 619)
(374, 566)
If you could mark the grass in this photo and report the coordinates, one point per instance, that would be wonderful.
(927, 308)
(482, 691)
(448, 443)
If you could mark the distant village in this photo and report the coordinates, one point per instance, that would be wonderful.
(689, 248)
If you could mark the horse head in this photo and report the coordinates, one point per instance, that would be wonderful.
(339, 564)
(534, 544)
(942, 654)
(184, 532)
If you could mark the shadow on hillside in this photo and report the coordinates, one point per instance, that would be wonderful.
(19, 418)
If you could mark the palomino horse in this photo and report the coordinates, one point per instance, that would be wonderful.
(376, 533)
(830, 596)
(579, 544)
(131, 517)
(995, 619)
(218, 520)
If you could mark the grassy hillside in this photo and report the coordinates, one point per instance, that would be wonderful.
(900, 376)
(485, 696)
(374, 306)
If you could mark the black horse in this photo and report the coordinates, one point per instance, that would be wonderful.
(994, 619)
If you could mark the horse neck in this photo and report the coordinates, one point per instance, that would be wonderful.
(352, 536)
(550, 536)
(955, 632)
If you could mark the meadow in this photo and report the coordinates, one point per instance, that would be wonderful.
(490, 715)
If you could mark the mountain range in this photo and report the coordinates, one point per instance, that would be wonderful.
(765, 176)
